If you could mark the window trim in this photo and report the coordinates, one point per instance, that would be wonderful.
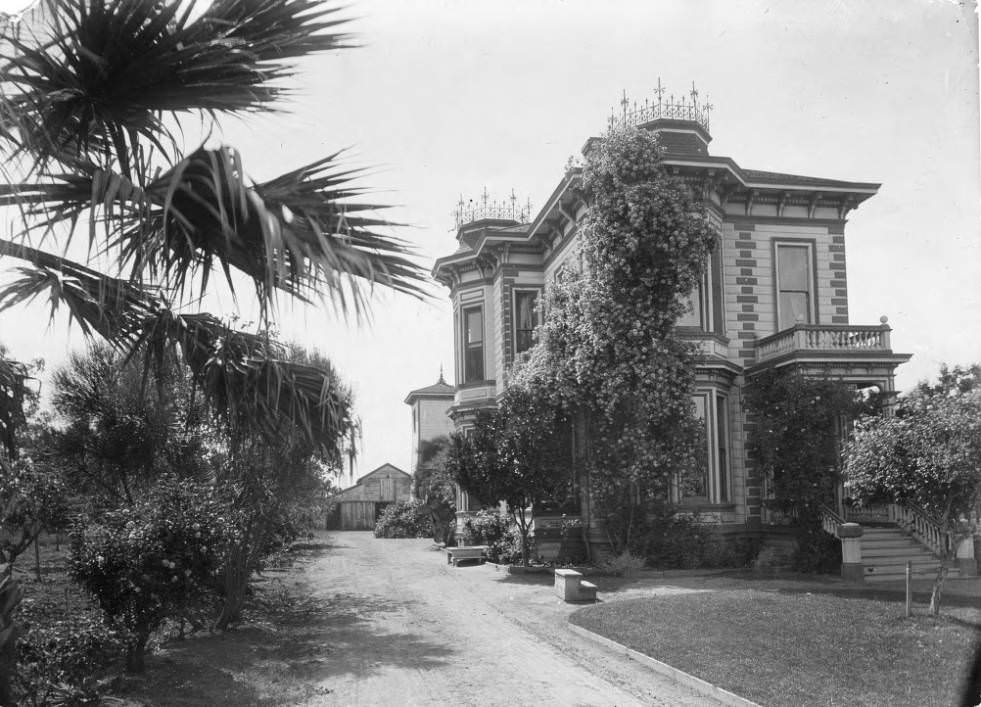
(537, 315)
(810, 247)
(710, 296)
(466, 347)
(719, 472)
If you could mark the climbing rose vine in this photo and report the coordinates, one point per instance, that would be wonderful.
(608, 352)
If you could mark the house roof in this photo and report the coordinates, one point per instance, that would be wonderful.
(760, 176)
(356, 492)
(439, 389)
(388, 468)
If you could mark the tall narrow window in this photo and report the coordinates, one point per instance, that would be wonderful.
(722, 434)
(709, 481)
(525, 319)
(694, 315)
(794, 300)
(695, 484)
(473, 344)
(699, 303)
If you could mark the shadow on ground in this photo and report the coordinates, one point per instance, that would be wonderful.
(287, 653)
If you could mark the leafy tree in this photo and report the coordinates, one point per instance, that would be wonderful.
(17, 401)
(119, 434)
(472, 459)
(794, 441)
(434, 488)
(927, 455)
(270, 476)
(33, 499)
(515, 454)
(534, 457)
(21, 515)
(608, 353)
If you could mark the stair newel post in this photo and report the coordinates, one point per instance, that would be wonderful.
(967, 566)
(850, 535)
(909, 589)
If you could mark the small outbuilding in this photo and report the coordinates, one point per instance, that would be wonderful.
(358, 507)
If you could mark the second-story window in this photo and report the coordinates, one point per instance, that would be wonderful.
(703, 306)
(696, 311)
(795, 303)
(525, 319)
(473, 344)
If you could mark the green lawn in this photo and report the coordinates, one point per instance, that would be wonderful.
(796, 649)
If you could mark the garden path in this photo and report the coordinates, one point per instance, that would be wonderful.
(404, 628)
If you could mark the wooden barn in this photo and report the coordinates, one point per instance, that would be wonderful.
(358, 507)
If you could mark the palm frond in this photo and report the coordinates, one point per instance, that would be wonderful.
(247, 382)
(244, 376)
(97, 303)
(297, 233)
(111, 68)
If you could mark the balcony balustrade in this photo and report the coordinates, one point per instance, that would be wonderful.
(825, 339)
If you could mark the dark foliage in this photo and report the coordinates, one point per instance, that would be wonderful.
(405, 519)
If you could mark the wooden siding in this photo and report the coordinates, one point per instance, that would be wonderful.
(358, 515)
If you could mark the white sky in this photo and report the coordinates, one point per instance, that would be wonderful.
(447, 97)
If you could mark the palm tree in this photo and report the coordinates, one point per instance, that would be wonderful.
(93, 97)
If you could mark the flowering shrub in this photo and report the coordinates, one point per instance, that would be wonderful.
(405, 519)
(499, 532)
(147, 563)
(56, 661)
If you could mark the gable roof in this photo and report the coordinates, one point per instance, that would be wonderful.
(439, 389)
(388, 468)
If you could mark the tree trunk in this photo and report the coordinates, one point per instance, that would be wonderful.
(235, 580)
(520, 519)
(37, 558)
(136, 654)
(10, 596)
(937, 589)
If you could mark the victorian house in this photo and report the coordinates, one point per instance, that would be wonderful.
(774, 294)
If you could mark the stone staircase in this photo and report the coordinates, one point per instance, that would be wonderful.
(887, 549)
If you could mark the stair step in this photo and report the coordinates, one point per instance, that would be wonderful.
(899, 561)
(892, 547)
(911, 553)
(898, 576)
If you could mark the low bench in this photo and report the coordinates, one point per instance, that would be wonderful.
(570, 586)
(456, 555)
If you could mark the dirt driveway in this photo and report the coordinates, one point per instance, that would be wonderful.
(388, 622)
(427, 633)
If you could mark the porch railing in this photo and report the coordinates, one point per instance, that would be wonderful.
(830, 338)
(922, 526)
(830, 520)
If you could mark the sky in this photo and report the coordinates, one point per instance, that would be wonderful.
(446, 97)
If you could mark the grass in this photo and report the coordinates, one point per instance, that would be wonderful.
(796, 649)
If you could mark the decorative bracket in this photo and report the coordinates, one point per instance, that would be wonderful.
(782, 202)
(812, 206)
